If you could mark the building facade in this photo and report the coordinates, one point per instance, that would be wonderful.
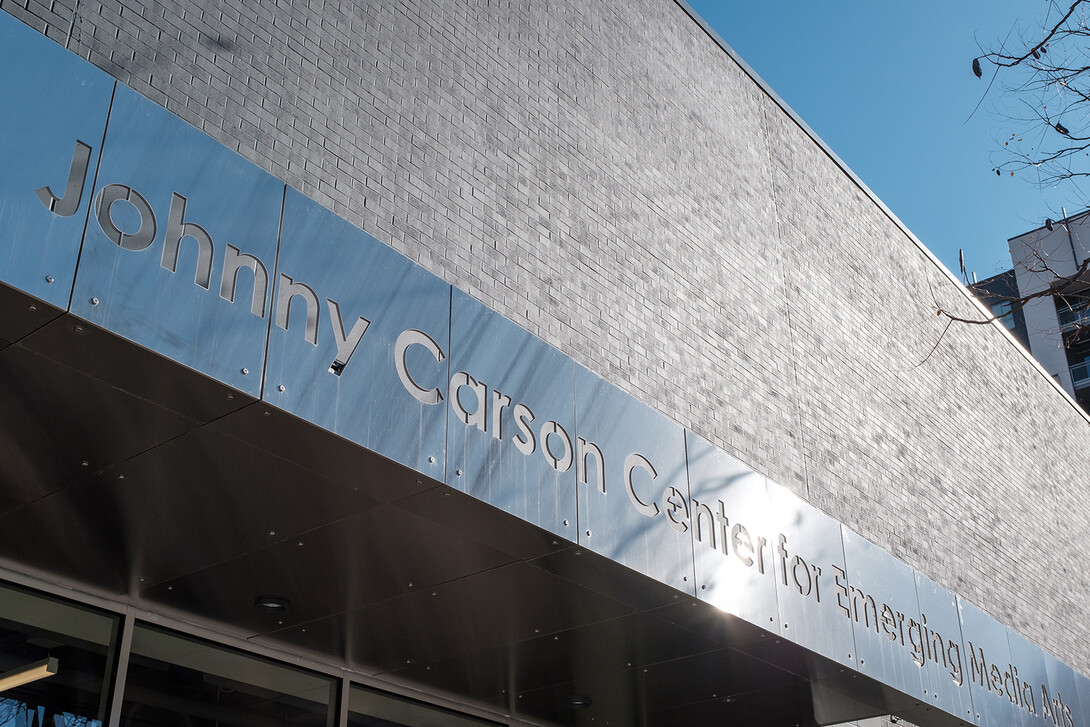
(495, 362)
(1050, 258)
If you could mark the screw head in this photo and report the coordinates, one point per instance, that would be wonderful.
(245, 371)
(94, 301)
(280, 388)
(49, 279)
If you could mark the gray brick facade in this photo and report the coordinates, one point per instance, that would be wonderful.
(608, 177)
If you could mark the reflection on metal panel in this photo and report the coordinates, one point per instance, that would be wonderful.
(634, 498)
(988, 665)
(1082, 709)
(732, 535)
(878, 596)
(807, 552)
(180, 245)
(53, 110)
(946, 672)
(339, 355)
(511, 422)
(1026, 683)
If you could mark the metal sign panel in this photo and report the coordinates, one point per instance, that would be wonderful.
(511, 435)
(357, 338)
(1059, 695)
(946, 671)
(52, 119)
(633, 488)
(1082, 715)
(999, 695)
(877, 595)
(180, 245)
(732, 535)
(1026, 681)
(808, 553)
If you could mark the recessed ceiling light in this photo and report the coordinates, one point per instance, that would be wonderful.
(272, 604)
(579, 701)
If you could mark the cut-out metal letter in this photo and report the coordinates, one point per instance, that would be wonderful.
(286, 291)
(142, 238)
(233, 260)
(633, 461)
(560, 464)
(177, 228)
(67, 205)
(590, 449)
(346, 345)
(478, 416)
(401, 348)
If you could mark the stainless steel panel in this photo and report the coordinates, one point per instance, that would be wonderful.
(987, 663)
(732, 535)
(175, 186)
(635, 510)
(511, 435)
(807, 551)
(343, 301)
(1081, 712)
(53, 108)
(1063, 693)
(1026, 683)
(878, 595)
(947, 683)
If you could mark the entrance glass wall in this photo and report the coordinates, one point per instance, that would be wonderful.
(57, 658)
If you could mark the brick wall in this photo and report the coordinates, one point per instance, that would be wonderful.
(608, 177)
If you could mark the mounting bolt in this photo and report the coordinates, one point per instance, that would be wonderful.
(49, 279)
(245, 371)
(94, 301)
(280, 388)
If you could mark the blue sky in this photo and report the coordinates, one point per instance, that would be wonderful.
(888, 86)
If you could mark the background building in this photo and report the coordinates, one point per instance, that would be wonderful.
(1056, 324)
(588, 217)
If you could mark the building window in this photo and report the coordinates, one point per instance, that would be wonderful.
(57, 655)
(369, 708)
(177, 680)
(1002, 311)
(1071, 311)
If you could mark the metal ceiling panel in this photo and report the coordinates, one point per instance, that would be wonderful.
(186, 504)
(511, 423)
(170, 198)
(53, 108)
(505, 605)
(371, 556)
(60, 426)
(607, 652)
(349, 317)
(103, 356)
(22, 314)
